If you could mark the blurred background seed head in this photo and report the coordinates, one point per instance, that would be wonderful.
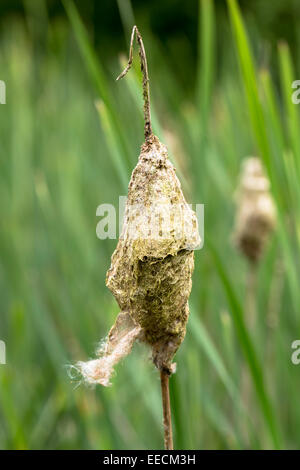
(255, 217)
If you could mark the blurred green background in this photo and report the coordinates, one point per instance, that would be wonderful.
(220, 77)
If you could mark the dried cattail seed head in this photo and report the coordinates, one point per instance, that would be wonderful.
(152, 265)
(256, 215)
(151, 268)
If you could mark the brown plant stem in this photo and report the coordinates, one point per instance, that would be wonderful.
(168, 433)
(250, 300)
(250, 311)
(144, 69)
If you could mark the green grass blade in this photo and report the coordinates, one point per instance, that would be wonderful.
(259, 129)
(249, 351)
(95, 71)
(206, 48)
(112, 141)
(249, 79)
(287, 76)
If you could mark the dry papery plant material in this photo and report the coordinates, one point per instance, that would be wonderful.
(152, 265)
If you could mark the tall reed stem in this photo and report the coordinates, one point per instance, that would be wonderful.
(250, 300)
(250, 310)
(168, 433)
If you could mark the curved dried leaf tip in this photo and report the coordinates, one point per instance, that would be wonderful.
(256, 215)
(151, 268)
(144, 70)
